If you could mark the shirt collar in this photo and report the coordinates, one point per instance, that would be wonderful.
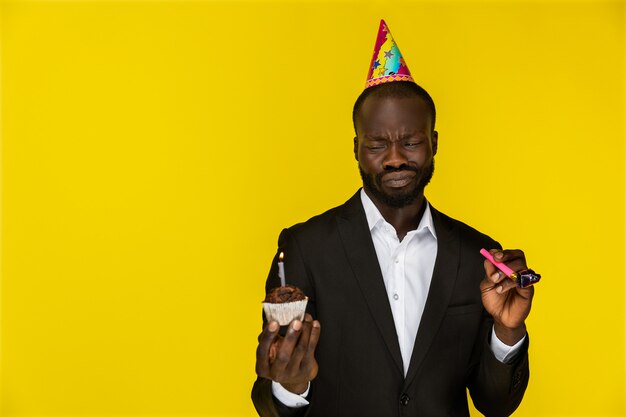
(375, 219)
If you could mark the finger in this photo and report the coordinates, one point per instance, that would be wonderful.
(308, 363)
(269, 333)
(494, 275)
(265, 326)
(301, 348)
(526, 293)
(308, 317)
(262, 352)
(490, 268)
(273, 350)
(283, 356)
(315, 336)
(505, 286)
(486, 285)
(511, 257)
(514, 259)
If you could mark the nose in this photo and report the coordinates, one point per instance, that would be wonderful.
(395, 157)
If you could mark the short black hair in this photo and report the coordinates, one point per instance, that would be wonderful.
(396, 89)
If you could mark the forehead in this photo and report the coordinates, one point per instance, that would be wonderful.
(384, 113)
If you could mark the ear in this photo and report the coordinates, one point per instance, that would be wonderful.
(435, 142)
(356, 148)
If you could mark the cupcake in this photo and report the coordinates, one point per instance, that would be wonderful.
(284, 304)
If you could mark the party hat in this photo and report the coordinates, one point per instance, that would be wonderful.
(387, 63)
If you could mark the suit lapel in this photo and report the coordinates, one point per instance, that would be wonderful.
(440, 292)
(357, 241)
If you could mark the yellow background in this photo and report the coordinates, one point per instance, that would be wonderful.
(152, 151)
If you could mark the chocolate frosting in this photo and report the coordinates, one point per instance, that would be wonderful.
(285, 294)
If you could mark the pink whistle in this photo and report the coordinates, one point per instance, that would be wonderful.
(522, 279)
(502, 267)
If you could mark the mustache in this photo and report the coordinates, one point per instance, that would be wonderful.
(404, 168)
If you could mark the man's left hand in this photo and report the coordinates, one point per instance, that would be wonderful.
(508, 304)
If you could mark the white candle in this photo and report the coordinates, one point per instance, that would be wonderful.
(281, 269)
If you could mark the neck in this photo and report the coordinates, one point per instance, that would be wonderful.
(403, 219)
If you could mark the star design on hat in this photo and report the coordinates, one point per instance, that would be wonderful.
(387, 63)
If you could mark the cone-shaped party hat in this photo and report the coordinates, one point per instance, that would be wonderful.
(387, 63)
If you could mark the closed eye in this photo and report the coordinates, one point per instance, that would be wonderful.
(413, 144)
(375, 145)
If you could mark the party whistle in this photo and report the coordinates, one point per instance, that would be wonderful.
(522, 279)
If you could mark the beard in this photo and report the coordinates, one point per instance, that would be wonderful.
(373, 184)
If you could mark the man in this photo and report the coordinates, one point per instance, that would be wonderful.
(411, 313)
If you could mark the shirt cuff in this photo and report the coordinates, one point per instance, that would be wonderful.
(288, 398)
(503, 352)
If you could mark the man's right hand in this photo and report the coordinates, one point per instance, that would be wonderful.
(293, 365)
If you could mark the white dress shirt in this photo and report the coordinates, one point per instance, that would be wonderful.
(407, 269)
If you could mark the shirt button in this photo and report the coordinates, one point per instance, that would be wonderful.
(397, 260)
(404, 400)
(396, 296)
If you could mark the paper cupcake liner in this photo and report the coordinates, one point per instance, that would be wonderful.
(284, 313)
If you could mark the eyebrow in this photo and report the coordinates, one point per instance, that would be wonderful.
(375, 137)
(403, 136)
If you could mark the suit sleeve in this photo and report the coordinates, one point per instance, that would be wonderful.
(497, 388)
(296, 273)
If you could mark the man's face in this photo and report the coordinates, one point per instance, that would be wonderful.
(395, 146)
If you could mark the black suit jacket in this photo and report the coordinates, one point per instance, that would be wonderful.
(332, 259)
